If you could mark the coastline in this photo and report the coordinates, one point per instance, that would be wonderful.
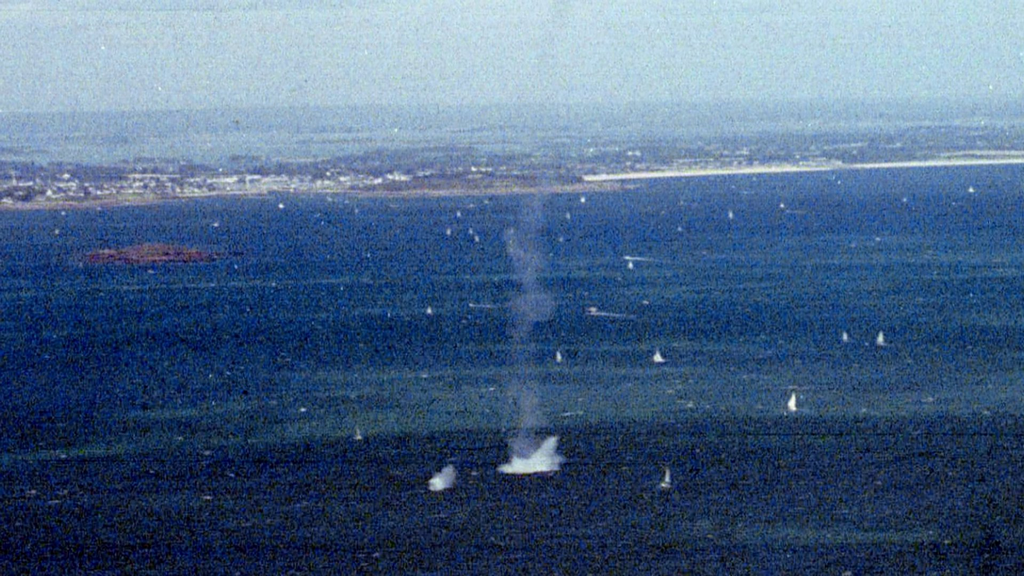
(503, 189)
(586, 183)
(800, 168)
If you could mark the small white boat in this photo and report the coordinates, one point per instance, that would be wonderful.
(846, 337)
(658, 358)
(558, 356)
(880, 339)
(358, 435)
(666, 482)
(594, 311)
(791, 405)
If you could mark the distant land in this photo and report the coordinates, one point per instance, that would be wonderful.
(492, 159)
(969, 159)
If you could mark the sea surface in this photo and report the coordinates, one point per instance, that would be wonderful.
(203, 418)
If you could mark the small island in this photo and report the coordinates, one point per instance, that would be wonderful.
(152, 253)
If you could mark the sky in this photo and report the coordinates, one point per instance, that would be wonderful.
(86, 55)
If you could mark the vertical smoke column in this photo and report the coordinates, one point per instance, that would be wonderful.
(531, 306)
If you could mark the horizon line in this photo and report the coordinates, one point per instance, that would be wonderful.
(806, 103)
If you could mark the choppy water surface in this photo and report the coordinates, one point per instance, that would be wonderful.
(201, 417)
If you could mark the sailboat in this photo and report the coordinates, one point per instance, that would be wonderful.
(558, 356)
(358, 435)
(658, 358)
(791, 405)
(846, 337)
(880, 339)
(666, 482)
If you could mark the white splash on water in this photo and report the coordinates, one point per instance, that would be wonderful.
(443, 480)
(545, 459)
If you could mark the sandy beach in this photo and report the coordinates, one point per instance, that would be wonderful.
(791, 168)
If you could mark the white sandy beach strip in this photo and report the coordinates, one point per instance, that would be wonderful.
(790, 168)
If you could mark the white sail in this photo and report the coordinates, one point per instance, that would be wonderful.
(658, 358)
(880, 339)
(666, 482)
(791, 405)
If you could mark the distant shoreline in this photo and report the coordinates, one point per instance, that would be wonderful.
(799, 168)
(606, 182)
(504, 189)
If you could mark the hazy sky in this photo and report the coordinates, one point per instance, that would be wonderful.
(155, 54)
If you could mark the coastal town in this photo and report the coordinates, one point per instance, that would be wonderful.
(574, 164)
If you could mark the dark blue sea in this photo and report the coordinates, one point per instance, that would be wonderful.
(201, 418)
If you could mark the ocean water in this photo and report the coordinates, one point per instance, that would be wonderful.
(200, 418)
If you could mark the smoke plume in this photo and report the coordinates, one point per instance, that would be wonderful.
(531, 306)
